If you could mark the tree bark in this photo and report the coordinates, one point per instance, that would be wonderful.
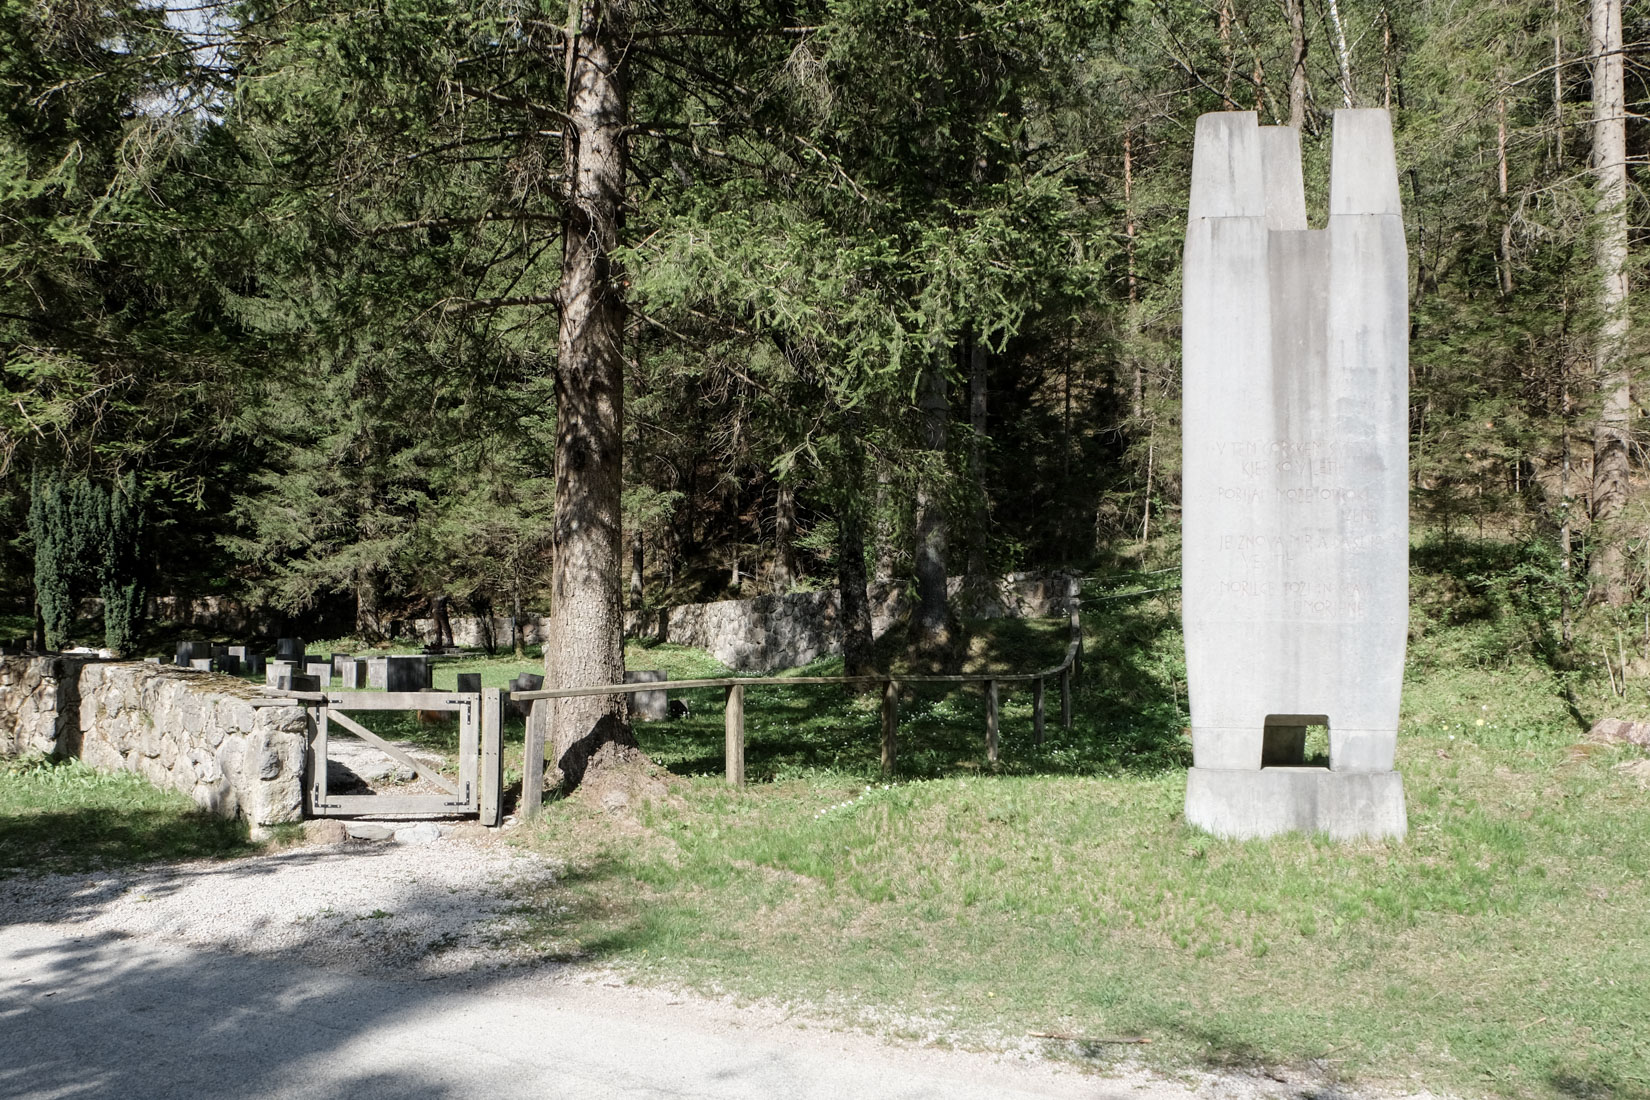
(1501, 183)
(885, 527)
(1610, 486)
(1295, 11)
(977, 395)
(585, 645)
(1342, 53)
(858, 655)
(367, 626)
(784, 539)
(931, 626)
(638, 559)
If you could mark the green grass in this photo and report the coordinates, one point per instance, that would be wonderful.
(1501, 950)
(67, 817)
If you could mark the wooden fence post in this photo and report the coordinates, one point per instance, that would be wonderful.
(1065, 697)
(733, 720)
(890, 725)
(532, 760)
(991, 721)
(492, 758)
(1037, 712)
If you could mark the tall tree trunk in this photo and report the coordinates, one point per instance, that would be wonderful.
(586, 622)
(977, 395)
(367, 626)
(1227, 103)
(1501, 183)
(784, 538)
(518, 638)
(1610, 487)
(1295, 11)
(885, 527)
(858, 655)
(1386, 57)
(638, 559)
(931, 627)
(1342, 53)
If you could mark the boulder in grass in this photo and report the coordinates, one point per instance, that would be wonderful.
(1620, 731)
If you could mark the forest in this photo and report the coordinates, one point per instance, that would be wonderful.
(340, 307)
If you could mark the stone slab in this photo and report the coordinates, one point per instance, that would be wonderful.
(649, 706)
(298, 682)
(289, 649)
(255, 664)
(352, 675)
(1245, 804)
(274, 670)
(406, 673)
(469, 683)
(377, 672)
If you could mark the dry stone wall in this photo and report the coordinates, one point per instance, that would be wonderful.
(771, 632)
(193, 732)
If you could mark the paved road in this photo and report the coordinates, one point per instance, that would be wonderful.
(104, 1016)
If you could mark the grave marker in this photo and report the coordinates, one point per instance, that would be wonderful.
(649, 706)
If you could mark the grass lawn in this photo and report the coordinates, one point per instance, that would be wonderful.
(1503, 949)
(67, 817)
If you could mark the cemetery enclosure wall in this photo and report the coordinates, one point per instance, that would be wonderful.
(771, 632)
(192, 732)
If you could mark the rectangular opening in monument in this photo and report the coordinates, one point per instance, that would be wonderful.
(1295, 741)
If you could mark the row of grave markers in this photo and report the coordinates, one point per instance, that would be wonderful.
(291, 669)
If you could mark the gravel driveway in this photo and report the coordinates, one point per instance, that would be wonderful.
(421, 909)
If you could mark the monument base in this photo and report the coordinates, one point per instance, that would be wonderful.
(1241, 804)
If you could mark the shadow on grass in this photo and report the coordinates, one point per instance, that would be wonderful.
(1583, 1087)
(100, 837)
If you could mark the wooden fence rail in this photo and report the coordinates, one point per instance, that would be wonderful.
(532, 785)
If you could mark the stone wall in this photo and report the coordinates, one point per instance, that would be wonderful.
(192, 732)
(785, 631)
(39, 704)
(774, 632)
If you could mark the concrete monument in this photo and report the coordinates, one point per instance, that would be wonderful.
(1295, 491)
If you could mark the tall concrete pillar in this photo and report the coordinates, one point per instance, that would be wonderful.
(1295, 491)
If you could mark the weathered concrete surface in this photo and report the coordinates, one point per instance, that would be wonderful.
(1295, 489)
(1246, 803)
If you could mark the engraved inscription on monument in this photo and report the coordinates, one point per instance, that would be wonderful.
(1296, 524)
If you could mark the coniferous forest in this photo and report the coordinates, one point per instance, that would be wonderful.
(344, 308)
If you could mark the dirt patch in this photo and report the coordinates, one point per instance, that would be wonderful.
(620, 782)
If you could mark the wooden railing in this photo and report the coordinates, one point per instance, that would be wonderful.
(1070, 666)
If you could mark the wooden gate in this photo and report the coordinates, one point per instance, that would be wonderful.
(480, 773)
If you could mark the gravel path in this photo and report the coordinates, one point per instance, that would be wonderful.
(427, 909)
